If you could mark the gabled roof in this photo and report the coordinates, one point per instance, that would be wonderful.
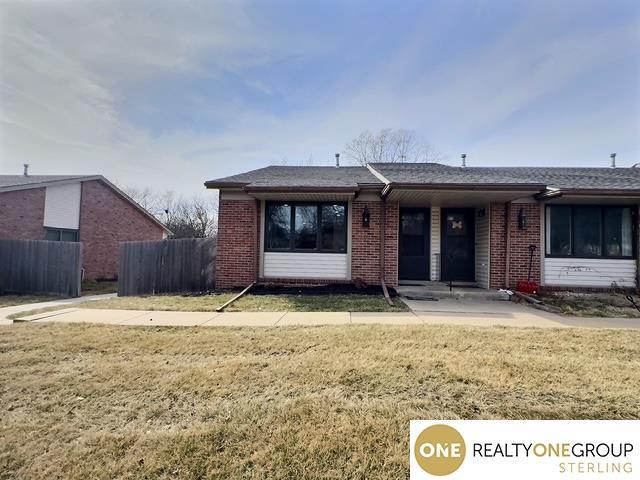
(286, 177)
(10, 183)
(16, 182)
(433, 176)
(550, 177)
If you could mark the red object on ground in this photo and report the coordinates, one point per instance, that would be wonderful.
(527, 287)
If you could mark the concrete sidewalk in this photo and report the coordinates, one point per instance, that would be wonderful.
(7, 311)
(473, 314)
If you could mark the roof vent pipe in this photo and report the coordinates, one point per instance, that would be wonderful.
(25, 172)
(464, 160)
(613, 160)
(337, 160)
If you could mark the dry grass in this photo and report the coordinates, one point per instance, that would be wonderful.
(86, 401)
(606, 305)
(12, 300)
(91, 287)
(253, 303)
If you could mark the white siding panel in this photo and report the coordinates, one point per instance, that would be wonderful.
(435, 243)
(62, 206)
(306, 265)
(582, 272)
(482, 249)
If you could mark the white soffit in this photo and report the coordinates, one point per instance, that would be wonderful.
(454, 198)
(62, 206)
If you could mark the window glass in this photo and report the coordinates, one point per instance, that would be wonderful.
(412, 241)
(587, 229)
(618, 232)
(559, 231)
(278, 226)
(68, 236)
(52, 235)
(306, 227)
(333, 228)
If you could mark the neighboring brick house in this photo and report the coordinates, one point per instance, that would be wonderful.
(574, 228)
(86, 209)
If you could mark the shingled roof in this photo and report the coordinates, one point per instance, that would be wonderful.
(9, 182)
(431, 174)
(550, 177)
(278, 176)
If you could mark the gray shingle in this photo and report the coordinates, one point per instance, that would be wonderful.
(435, 173)
(21, 180)
(286, 176)
(554, 177)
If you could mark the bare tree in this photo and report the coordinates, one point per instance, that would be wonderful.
(186, 217)
(388, 145)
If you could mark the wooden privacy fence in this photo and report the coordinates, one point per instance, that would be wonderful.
(184, 265)
(40, 267)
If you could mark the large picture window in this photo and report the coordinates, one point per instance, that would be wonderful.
(587, 231)
(306, 227)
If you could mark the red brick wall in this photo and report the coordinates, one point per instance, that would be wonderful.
(22, 214)
(497, 262)
(392, 214)
(365, 243)
(518, 244)
(106, 219)
(237, 254)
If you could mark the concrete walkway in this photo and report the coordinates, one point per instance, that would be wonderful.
(451, 312)
(7, 311)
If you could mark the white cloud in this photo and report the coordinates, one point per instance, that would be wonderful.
(67, 67)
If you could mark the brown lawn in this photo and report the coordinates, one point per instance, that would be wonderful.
(87, 401)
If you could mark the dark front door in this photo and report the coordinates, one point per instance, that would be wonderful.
(458, 245)
(413, 244)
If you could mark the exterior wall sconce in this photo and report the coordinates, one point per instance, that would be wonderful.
(522, 220)
(366, 217)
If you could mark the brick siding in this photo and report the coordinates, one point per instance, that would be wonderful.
(365, 243)
(518, 244)
(238, 247)
(22, 214)
(106, 219)
(392, 215)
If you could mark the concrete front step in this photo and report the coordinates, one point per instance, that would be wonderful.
(439, 291)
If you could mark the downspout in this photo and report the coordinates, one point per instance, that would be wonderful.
(383, 207)
(507, 243)
(382, 222)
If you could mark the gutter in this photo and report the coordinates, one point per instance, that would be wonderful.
(526, 188)
(600, 192)
(353, 189)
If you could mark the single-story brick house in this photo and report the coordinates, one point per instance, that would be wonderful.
(413, 222)
(87, 209)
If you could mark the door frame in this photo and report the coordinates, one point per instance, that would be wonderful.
(471, 212)
(427, 239)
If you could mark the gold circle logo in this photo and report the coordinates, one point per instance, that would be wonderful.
(439, 450)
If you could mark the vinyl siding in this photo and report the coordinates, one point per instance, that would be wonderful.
(482, 249)
(62, 206)
(306, 265)
(435, 243)
(582, 272)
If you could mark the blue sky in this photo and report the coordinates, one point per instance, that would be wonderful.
(169, 94)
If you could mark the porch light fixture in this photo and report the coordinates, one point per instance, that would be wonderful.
(522, 220)
(366, 217)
